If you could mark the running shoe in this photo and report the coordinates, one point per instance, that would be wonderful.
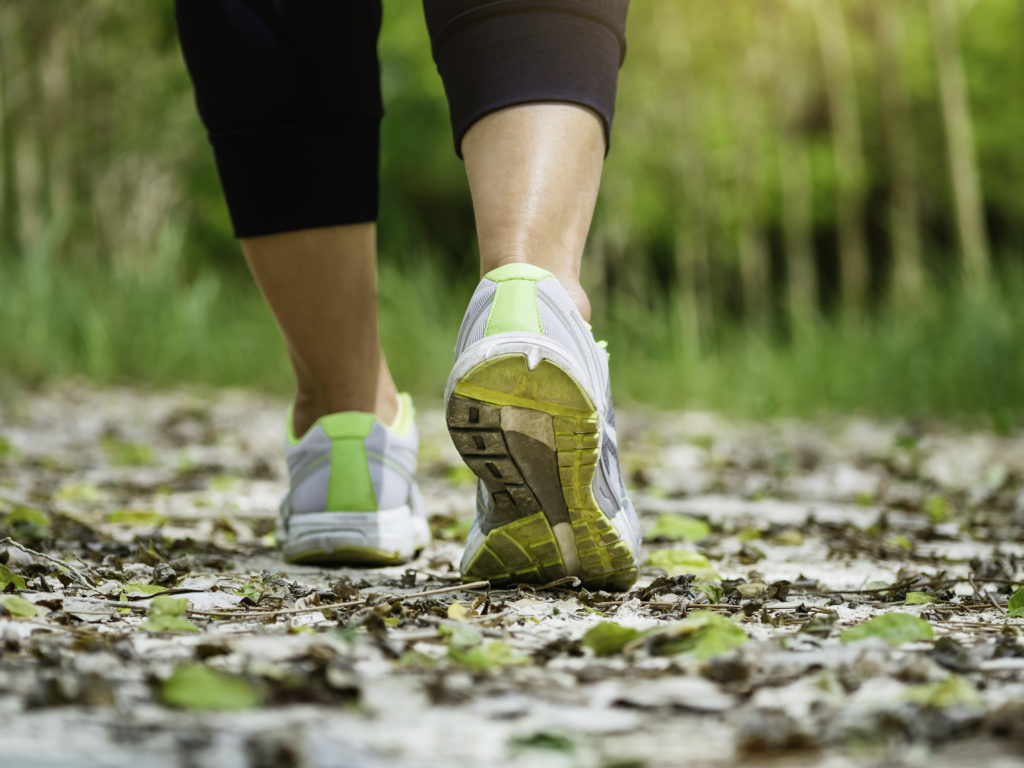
(529, 409)
(353, 499)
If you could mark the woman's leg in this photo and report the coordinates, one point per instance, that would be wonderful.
(290, 95)
(531, 90)
(321, 285)
(534, 172)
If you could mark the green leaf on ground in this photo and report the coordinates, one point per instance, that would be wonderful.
(547, 740)
(951, 692)
(9, 577)
(28, 523)
(167, 614)
(749, 534)
(714, 592)
(142, 589)
(18, 606)
(1016, 606)
(788, 537)
(702, 634)
(919, 598)
(416, 659)
(458, 612)
(460, 635)
(938, 509)
(196, 686)
(136, 517)
(608, 638)
(899, 542)
(80, 492)
(124, 454)
(679, 528)
(894, 628)
(677, 562)
(6, 449)
(250, 591)
(481, 658)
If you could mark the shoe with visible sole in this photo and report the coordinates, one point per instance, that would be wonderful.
(528, 406)
(353, 499)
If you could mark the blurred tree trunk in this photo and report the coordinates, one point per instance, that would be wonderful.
(693, 233)
(10, 214)
(837, 61)
(746, 107)
(904, 205)
(795, 183)
(956, 116)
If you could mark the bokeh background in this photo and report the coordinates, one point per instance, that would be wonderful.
(810, 205)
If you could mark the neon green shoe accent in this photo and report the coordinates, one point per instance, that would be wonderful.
(351, 487)
(514, 308)
(523, 550)
(507, 380)
(406, 416)
(517, 272)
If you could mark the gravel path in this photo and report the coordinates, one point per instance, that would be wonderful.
(146, 620)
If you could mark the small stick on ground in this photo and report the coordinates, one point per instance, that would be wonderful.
(74, 571)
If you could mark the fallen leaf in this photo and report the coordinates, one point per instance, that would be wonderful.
(919, 598)
(197, 686)
(136, 517)
(8, 577)
(28, 524)
(1016, 606)
(167, 614)
(460, 635)
(894, 628)
(702, 634)
(953, 691)
(142, 589)
(480, 658)
(18, 606)
(676, 562)
(608, 638)
(678, 528)
(458, 612)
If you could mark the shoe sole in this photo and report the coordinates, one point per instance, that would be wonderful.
(387, 537)
(532, 436)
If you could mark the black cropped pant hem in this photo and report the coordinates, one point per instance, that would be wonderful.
(289, 90)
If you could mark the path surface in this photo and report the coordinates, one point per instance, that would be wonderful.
(792, 532)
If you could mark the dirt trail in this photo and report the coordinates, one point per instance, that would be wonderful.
(173, 635)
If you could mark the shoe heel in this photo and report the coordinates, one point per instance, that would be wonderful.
(531, 435)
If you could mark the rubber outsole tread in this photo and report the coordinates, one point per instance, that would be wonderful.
(533, 449)
(359, 556)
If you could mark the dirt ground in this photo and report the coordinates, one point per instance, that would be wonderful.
(146, 619)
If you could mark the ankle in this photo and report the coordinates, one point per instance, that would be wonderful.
(306, 410)
(567, 276)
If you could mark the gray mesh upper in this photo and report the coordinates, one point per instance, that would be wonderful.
(391, 461)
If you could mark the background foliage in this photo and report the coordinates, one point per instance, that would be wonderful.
(809, 204)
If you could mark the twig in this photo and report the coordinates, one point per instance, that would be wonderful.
(334, 606)
(74, 571)
(136, 607)
(986, 595)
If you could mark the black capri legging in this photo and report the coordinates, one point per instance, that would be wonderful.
(289, 90)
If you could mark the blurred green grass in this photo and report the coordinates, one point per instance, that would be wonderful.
(955, 355)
